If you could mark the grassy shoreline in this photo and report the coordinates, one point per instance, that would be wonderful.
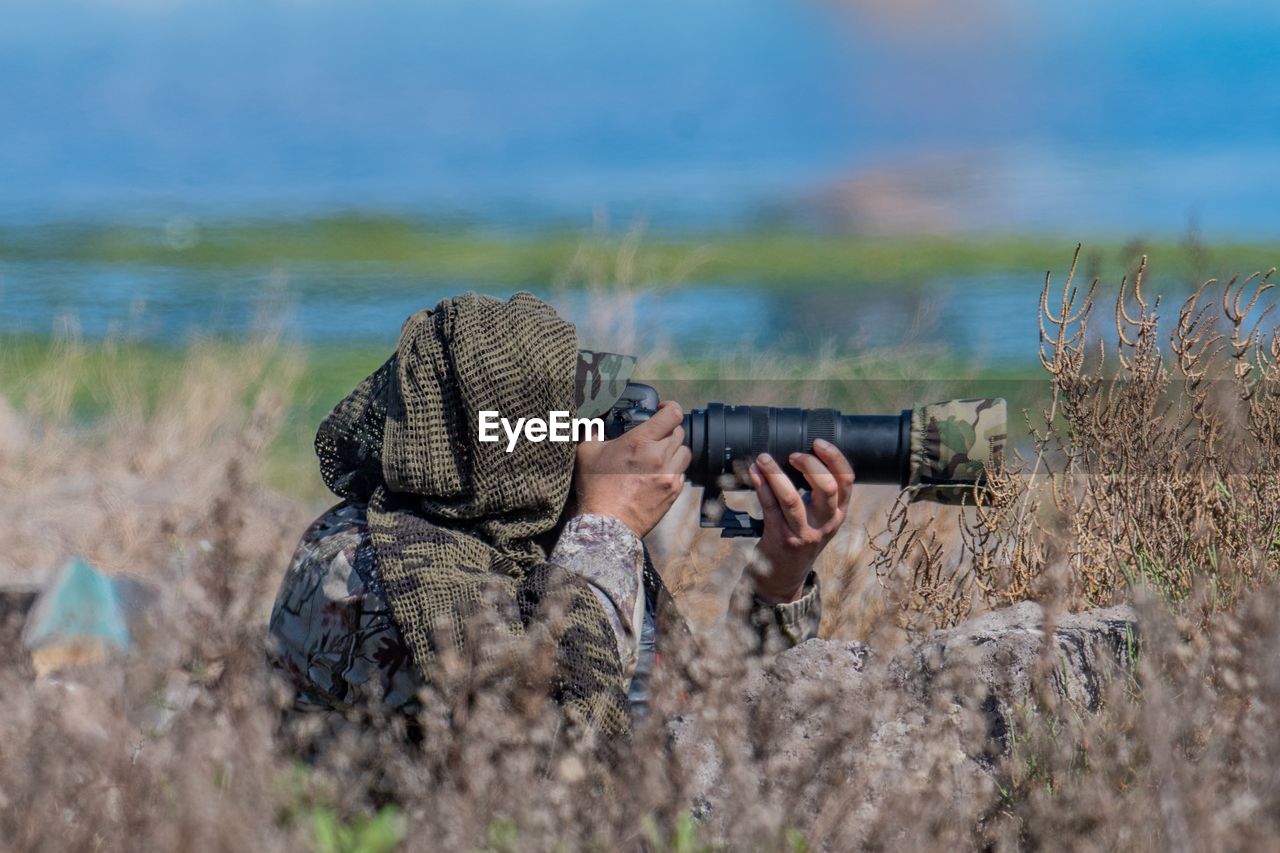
(775, 258)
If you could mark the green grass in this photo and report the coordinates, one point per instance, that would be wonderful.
(84, 382)
(381, 833)
(97, 374)
(81, 383)
(765, 257)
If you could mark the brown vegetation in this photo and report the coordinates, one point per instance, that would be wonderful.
(1154, 474)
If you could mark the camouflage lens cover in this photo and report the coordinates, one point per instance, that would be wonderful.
(951, 443)
(601, 378)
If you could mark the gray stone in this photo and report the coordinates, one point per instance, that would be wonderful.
(835, 711)
(993, 658)
(16, 599)
(999, 653)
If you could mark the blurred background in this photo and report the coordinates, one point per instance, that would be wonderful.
(802, 170)
(697, 180)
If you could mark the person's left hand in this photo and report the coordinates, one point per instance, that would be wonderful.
(796, 529)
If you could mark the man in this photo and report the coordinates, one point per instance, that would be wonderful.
(439, 532)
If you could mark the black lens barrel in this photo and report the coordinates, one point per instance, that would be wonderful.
(724, 439)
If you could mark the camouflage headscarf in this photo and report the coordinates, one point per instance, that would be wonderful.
(456, 523)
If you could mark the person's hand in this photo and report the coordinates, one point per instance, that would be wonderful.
(796, 529)
(636, 477)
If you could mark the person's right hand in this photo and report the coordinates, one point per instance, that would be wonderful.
(636, 477)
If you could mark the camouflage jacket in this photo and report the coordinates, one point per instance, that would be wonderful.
(333, 636)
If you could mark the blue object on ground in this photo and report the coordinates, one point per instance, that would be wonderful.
(78, 604)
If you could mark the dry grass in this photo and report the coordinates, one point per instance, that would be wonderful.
(1155, 474)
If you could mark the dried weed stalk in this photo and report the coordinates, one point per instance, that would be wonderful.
(1156, 463)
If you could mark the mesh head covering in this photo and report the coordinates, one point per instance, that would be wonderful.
(951, 444)
(455, 522)
(350, 448)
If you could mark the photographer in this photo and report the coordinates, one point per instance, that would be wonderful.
(438, 533)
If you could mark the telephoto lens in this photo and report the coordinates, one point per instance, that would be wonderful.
(724, 438)
(939, 451)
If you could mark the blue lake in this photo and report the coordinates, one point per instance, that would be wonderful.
(988, 318)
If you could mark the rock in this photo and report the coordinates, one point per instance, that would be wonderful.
(992, 658)
(1001, 651)
(16, 598)
(835, 711)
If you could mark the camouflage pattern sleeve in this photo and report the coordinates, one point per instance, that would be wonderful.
(610, 558)
(332, 635)
(786, 625)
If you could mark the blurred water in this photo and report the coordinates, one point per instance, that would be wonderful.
(992, 318)
(1073, 116)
